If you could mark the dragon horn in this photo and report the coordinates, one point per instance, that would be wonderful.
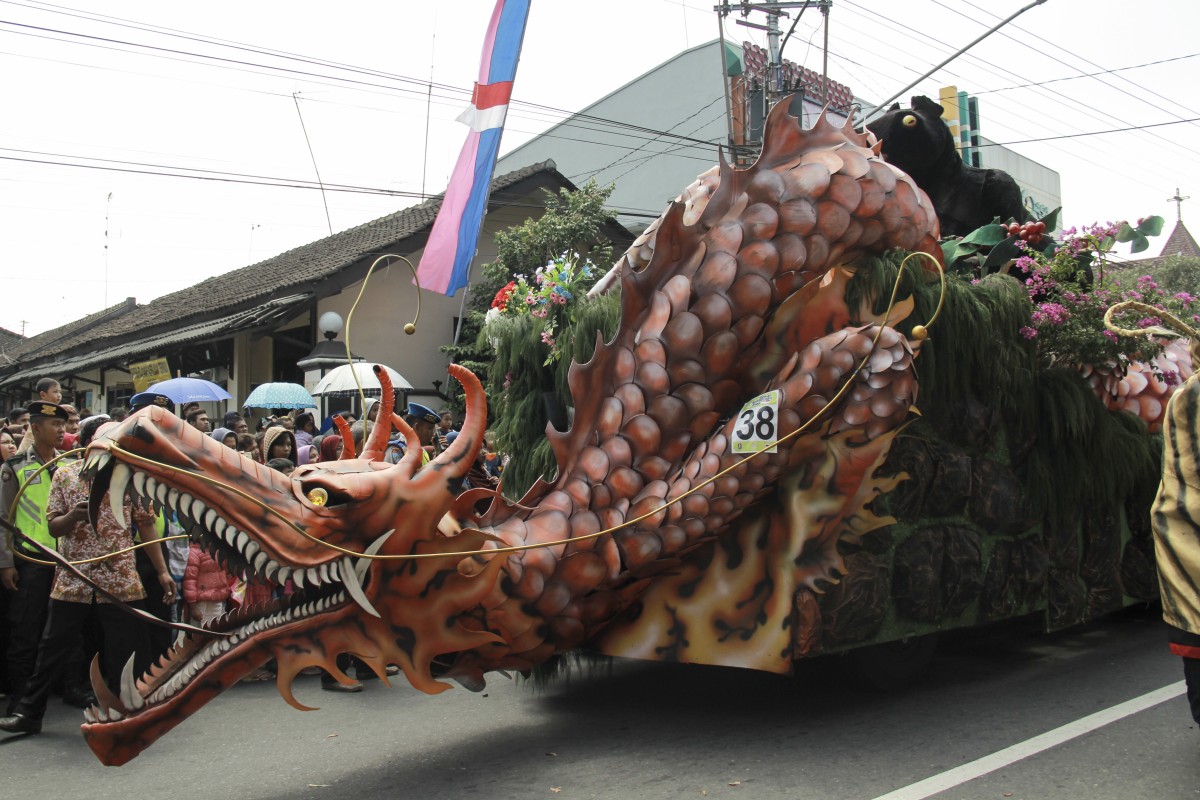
(343, 427)
(456, 460)
(412, 454)
(377, 441)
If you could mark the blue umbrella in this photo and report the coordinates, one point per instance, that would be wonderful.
(280, 395)
(190, 390)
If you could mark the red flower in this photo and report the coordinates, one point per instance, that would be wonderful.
(502, 297)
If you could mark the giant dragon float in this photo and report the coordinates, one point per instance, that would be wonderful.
(880, 514)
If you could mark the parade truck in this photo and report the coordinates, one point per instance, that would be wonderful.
(799, 422)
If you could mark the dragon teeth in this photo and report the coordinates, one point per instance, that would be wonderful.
(355, 588)
(130, 697)
(117, 486)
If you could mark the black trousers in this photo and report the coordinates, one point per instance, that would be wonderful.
(160, 637)
(1191, 673)
(124, 635)
(27, 611)
(1187, 645)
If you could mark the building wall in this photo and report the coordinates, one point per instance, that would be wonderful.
(684, 95)
(1041, 187)
(376, 330)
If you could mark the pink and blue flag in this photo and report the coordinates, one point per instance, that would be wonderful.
(446, 263)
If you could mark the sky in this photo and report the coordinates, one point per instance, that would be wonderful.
(98, 104)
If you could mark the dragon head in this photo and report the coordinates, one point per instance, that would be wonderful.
(321, 528)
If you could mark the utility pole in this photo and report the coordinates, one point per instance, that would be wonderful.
(775, 10)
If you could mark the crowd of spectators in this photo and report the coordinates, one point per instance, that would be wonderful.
(53, 622)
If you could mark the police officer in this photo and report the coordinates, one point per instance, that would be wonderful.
(144, 399)
(424, 421)
(29, 582)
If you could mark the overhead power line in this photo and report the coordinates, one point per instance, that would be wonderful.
(420, 87)
(168, 171)
(1091, 133)
(1085, 75)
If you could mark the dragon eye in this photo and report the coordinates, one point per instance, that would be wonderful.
(908, 121)
(318, 496)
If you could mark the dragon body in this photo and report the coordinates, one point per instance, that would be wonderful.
(740, 294)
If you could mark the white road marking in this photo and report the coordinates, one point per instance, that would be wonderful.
(1010, 755)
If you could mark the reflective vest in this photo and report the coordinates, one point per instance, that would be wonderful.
(30, 514)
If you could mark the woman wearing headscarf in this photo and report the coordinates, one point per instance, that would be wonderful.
(278, 442)
(226, 437)
(331, 447)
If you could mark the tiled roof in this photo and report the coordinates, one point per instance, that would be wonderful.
(48, 342)
(9, 338)
(290, 270)
(1180, 243)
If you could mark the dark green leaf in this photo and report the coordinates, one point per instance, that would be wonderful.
(1051, 219)
(1151, 226)
(950, 251)
(1001, 254)
(988, 235)
(1125, 233)
(1140, 243)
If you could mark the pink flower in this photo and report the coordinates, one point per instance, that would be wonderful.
(1028, 332)
(1184, 297)
(547, 338)
(1146, 283)
(1112, 337)
(1171, 378)
(1054, 312)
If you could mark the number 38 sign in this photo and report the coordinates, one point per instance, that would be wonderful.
(756, 427)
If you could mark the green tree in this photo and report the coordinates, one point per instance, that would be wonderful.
(573, 222)
(1177, 274)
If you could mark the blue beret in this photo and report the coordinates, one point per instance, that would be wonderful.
(422, 413)
(143, 399)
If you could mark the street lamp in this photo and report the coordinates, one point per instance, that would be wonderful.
(326, 355)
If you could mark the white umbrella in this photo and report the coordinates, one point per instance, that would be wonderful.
(340, 382)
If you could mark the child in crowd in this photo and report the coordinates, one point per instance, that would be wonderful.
(205, 586)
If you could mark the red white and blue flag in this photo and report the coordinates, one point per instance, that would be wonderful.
(446, 263)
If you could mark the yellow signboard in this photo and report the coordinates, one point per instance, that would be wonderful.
(147, 373)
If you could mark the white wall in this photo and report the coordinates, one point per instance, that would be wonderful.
(376, 330)
(684, 95)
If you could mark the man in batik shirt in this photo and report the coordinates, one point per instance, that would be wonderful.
(72, 600)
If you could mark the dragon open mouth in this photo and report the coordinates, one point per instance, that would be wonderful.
(197, 667)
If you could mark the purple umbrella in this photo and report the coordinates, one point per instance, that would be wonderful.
(190, 390)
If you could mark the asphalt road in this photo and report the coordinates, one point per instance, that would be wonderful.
(647, 731)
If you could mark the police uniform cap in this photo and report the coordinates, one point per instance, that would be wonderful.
(143, 399)
(421, 413)
(40, 408)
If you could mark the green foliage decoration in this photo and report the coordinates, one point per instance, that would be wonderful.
(573, 221)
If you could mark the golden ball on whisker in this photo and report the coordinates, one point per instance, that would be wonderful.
(919, 332)
(410, 329)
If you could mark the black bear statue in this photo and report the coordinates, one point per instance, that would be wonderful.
(917, 141)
